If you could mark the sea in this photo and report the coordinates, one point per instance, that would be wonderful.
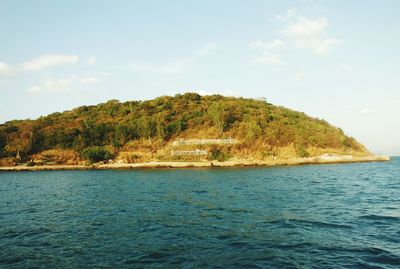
(310, 216)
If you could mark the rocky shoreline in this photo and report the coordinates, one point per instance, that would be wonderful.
(323, 159)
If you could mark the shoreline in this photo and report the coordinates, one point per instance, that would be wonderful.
(323, 159)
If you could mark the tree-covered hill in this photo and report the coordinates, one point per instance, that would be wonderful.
(144, 130)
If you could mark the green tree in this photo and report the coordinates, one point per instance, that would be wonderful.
(38, 139)
(301, 151)
(160, 126)
(217, 154)
(96, 135)
(96, 154)
(122, 133)
(216, 113)
(3, 143)
(18, 144)
(146, 127)
(254, 131)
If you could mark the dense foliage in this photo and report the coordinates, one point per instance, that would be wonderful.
(255, 123)
(96, 154)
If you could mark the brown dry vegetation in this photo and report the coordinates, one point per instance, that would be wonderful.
(142, 131)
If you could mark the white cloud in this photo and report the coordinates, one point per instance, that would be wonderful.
(55, 86)
(167, 68)
(91, 60)
(174, 67)
(52, 86)
(298, 32)
(5, 69)
(304, 27)
(158, 83)
(229, 93)
(366, 111)
(344, 67)
(299, 76)
(275, 44)
(205, 92)
(102, 73)
(207, 48)
(49, 60)
(224, 92)
(89, 80)
(257, 44)
(267, 58)
(285, 17)
(310, 34)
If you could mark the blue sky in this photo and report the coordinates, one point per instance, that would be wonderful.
(336, 60)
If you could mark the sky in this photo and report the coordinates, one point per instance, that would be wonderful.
(335, 60)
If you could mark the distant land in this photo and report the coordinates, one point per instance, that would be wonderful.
(181, 131)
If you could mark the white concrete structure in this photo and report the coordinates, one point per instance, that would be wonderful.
(188, 152)
(226, 141)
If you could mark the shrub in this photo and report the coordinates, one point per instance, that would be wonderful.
(147, 127)
(302, 152)
(96, 154)
(7, 162)
(58, 156)
(132, 157)
(217, 154)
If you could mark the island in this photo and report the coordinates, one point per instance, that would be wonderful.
(185, 130)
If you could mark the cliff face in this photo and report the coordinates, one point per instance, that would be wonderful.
(144, 131)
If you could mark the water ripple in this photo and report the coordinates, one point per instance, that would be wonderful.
(324, 216)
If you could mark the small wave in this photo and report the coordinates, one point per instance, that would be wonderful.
(324, 224)
(369, 255)
(211, 216)
(239, 244)
(296, 245)
(31, 210)
(148, 258)
(96, 224)
(387, 258)
(224, 237)
(311, 223)
(200, 192)
(366, 251)
(11, 260)
(380, 217)
(37, 232)
(9, 234)
(215, 209)
(239, 210)
(155, 255)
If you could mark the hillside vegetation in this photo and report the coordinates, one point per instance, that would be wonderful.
(139, 131)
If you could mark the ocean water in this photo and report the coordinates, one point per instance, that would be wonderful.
(312, 216)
